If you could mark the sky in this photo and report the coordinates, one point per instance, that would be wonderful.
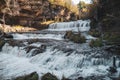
(77, 1)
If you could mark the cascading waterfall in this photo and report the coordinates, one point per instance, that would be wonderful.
(82, 25)
(60, 57)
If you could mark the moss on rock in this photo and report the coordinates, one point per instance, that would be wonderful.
(96, 43)
(77, 38)
(32, 76)
(49, 76)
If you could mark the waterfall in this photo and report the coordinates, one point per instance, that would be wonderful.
(18, 62)
(59, 57)
(37, 36)
(83, 25)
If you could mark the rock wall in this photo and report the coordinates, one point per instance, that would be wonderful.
(32, 12)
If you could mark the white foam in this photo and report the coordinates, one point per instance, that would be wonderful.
(37, 36)
(52, 61)
(82, 25)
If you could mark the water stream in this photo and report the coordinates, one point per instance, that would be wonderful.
(61, 57)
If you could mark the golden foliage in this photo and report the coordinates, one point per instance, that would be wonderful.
(67, 4)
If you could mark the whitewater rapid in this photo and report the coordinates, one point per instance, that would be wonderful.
(61, 58)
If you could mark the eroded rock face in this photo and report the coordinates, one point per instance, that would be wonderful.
(32, 12)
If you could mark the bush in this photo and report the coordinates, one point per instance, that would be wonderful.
(96, 43)
(49, 76)
(77, 38)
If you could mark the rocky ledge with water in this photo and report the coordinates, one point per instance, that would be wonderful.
(47, 52)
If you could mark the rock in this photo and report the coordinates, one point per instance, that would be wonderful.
(37, 50)
(4, 35)
(32, 76)
(112, 70)
(38, 11)
(96, 43)
(49, 76)
(113, 49)
(2, 42)
(80, 78)
(75, 37)
(29, 48)
(8, 36)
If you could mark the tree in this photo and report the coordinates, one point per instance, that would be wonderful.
(81, 5)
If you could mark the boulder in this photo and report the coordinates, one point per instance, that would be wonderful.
(37, 50)
(75, 37)
(32, 76)
(112, 70)
(49, 76)
(2, 42)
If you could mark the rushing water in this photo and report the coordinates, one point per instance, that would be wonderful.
(60, 57)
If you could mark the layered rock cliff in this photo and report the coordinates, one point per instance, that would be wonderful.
(33, 12)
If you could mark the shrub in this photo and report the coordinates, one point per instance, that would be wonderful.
(96, 43)
(49, 76)
(77, 38)
(68, 34)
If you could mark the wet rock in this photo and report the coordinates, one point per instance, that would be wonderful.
(49, 76)
(32, 76)
(68, 50)
(4, 35)
(64, 78)
(112, 70)
(8, 36)
(114, 49)
(77, 38)
(2, 42)
(13, 43)
(39, 50)
(80, 78)
(29, 48)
